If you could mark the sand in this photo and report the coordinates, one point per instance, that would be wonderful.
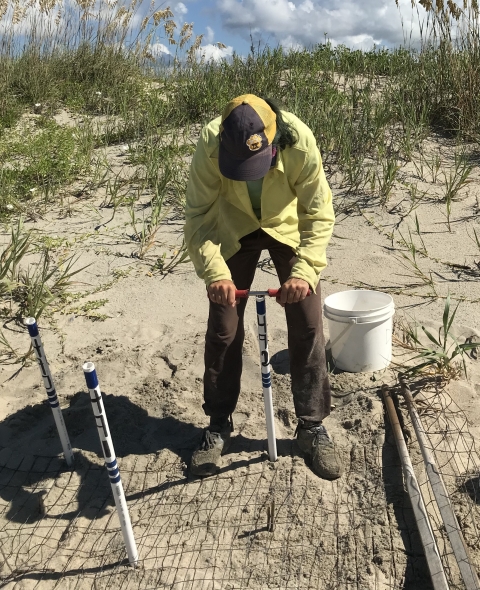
(58, 527)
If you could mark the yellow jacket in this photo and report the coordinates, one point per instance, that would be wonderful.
(296, 207)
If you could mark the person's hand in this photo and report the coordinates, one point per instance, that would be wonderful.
(222, 292)
(293, 291)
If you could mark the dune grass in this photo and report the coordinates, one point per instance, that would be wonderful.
(370, 110)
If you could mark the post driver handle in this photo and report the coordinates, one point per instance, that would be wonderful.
(244, 293)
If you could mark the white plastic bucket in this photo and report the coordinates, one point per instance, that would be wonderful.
(360, 325)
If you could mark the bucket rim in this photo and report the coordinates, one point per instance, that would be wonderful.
(359, 313)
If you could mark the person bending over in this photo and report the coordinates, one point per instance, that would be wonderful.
(257, 183)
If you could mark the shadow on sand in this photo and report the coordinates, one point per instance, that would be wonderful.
(30, 451)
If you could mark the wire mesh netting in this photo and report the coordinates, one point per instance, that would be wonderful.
(254, 525)
(453, 444)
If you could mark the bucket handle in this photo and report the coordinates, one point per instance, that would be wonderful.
(349, 320)
(361, 319)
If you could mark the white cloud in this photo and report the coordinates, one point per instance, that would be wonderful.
(290, 44)
(305, 22)
(180, 8)
(159, 49)
(364, 42)
(212, 52)
(307, 6)
(210, 36)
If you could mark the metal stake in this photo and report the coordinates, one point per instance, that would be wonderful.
(430, 548)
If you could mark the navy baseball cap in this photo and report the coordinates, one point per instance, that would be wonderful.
(246, 135)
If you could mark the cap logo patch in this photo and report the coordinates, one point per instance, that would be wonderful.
(254, 143)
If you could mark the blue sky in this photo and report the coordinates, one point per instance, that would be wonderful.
(359, 24)
(298, 23)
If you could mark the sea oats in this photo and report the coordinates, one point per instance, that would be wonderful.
(160, 15)
(126, 19)
(455, 10)
(4, 5)
(185, 40)
(144, 24)
(192, 52)
(185, 28)
(85, 4)
(427, 4)
(185, 34)
(149, 38)
(122, 11)
(18, 15)
(46, 5)
(87, 15)
(170, 27)
(197, 42)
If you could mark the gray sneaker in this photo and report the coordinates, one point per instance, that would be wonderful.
(215, 442)
(325, 456)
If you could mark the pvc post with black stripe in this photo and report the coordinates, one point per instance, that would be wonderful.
(37, 344)
(110, 461)
(266, 375)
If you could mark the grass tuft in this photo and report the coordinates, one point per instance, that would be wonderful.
(445, 356)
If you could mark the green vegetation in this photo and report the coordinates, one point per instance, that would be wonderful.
(51, 158)
(370, 110)
(31, 281)
(446, 358)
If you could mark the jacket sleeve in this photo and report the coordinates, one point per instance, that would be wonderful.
(315, 217)
(201, 213)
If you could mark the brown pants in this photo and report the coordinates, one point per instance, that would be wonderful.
(225, 334)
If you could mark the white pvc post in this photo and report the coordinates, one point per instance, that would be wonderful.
(266, 375)
(110, 461)
(31, 324)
